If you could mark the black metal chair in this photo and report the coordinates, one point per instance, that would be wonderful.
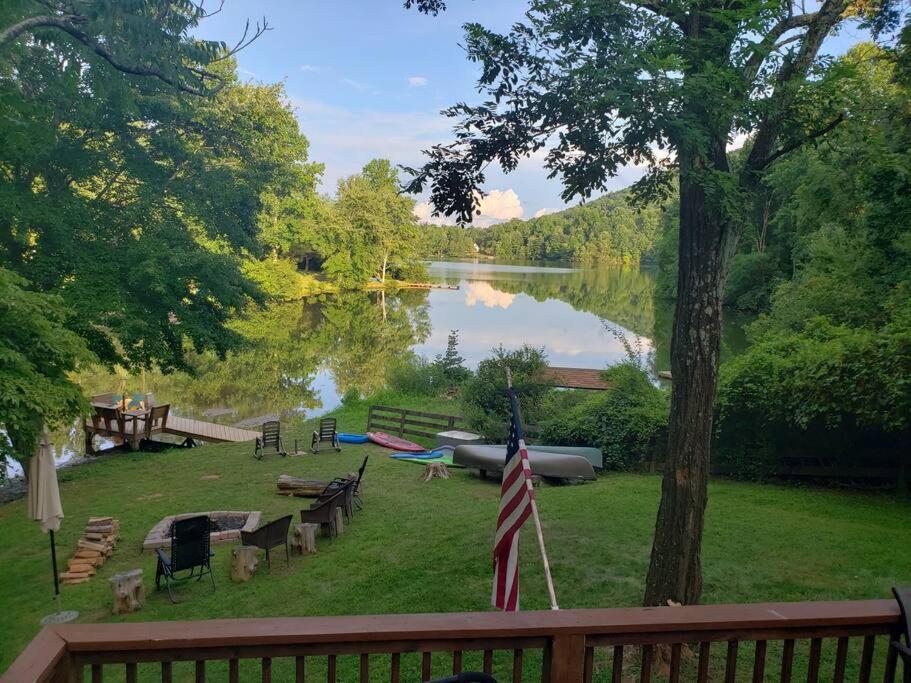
(326, 433)
(189, 551)
(323, 513)
(903, 595)
(268, 536)
(271, 439)
(356, 489)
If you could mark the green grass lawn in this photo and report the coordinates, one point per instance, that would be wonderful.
(425, 547)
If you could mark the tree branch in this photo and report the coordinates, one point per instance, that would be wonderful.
(662, 10)
(768, 44)
(796, 144)
(10, 34)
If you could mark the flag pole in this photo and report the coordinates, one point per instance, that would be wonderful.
(534, 514)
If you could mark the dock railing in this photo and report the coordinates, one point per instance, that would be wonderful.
(815, 641)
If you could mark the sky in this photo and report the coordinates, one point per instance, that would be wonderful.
(367, 79)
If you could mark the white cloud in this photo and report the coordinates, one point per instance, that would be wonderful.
(543, 212)
(495, 207)
(500, 205)
(417, 81)
(424, 213)
(310, 68)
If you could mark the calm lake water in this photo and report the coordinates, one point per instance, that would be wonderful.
(306, 355)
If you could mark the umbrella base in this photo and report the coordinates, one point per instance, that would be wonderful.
(60, 617)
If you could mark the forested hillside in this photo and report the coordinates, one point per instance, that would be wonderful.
(609, 229)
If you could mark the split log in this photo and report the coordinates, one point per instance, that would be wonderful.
(86, 553)
(435, 470)
(90, 545)
(100, 520)
(100, 529)
(304, 488)
(73, 575)
(339, 521)
(127, 592)
(243, 564)
(304, 540)
(71, 582)
(93, 536)
(80, 567)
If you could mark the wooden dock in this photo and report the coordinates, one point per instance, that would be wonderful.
(206, 431)
(191, 430)
(576, 378)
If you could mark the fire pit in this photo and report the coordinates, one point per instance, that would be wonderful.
(226, 526)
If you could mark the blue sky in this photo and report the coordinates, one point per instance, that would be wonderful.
(367, 79)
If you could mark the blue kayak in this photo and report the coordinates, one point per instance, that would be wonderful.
(352, 438)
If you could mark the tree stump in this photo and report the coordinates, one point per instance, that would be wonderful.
(243, 564)
(339, 521)
(304, 540)
(127, 592)
(435, 469)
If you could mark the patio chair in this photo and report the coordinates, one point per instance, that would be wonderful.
(325, 434)
(268, 536)
(271, 439)
(903, 595)
(356, 489)
(189, 551)
(346, 486)
(110, 420)
(156, 420)
(323, 513)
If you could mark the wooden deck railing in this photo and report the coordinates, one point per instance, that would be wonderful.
(812, 641)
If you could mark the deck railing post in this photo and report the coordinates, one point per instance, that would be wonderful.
(564, 659)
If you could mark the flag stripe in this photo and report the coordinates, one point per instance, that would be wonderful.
(516, 495)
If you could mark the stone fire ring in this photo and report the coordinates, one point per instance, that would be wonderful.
(160, 534)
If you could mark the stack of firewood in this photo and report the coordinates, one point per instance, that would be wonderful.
(92, 549)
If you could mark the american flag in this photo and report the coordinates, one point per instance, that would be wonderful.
(515, 507)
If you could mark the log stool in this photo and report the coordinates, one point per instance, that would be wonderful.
(127, 591)
(339, 521)
(435, 469)
(304, 539)
(243, 563)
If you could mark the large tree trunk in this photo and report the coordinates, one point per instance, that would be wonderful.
(675, 572)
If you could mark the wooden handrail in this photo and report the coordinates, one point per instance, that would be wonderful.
(566, 638)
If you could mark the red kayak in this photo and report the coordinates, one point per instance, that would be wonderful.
(394, 442)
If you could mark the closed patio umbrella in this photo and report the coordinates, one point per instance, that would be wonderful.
(44, 496)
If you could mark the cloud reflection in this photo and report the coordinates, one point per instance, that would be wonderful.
(483, 293)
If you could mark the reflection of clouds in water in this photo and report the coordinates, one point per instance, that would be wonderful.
(570, 337)
(482, 292)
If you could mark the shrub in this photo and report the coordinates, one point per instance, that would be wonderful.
(625, 422)
(279, 279)
(823, 380)
(413, 375)
(484, 396)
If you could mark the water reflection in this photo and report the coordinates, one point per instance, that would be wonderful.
(302, 357)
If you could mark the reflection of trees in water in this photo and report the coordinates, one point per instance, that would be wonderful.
(355, 335)
(364, 333)
(625, 296)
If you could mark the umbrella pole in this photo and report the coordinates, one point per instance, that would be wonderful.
(54, 565)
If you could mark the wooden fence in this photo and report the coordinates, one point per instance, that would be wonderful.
(808, 641)
(401, 422)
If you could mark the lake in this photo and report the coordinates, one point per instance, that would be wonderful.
(305, 356)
